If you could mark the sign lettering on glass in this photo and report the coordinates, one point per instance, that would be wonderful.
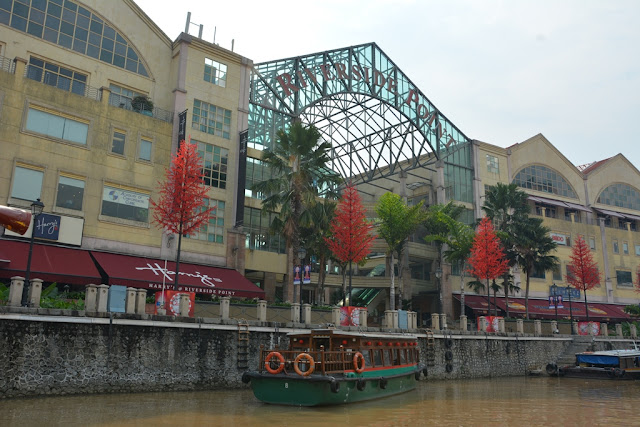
(125, 197)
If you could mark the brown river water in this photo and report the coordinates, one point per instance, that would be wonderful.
(487, 402)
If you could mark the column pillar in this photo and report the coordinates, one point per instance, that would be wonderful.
(130, 302)
(141, 301)
(537, 327)
(482, 320)
(15, 291)
(90, 294)
(102, 298)
(463, 322)
(604, 329)
(295, 312)
(224, 307)
(520, 326)
(262, 310)
(619, 330)
(306, 314)
(435, 321)
(362, 317)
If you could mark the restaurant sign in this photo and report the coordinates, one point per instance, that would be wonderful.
(560, 239)
(47, 226)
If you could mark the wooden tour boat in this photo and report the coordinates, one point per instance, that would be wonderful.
(614, 364)
(328, 367)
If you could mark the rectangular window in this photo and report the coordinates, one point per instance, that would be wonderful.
(57, 126)
(54, 75)
(638, 250)
(557, 273)
(117, 143)
(538, 274)
(145, 150)
(592, 243)
(214, 160)
(70, 193)
(125, 204)
(492, 164)
(625, 248)
(616, 250)
(213, 230)
(121, 96)
(215, 72)
(27, 183)
(211, 119)
(624, 278)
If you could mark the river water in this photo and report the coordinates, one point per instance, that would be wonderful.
(518, 401)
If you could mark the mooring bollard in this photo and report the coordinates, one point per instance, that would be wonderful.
(90, 295)
(362, 317)
(130, 302)
(520, 326)
(306, 314)
(224, 307)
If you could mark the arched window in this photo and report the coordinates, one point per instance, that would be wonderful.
(620, 195)
(541, 178)
(74, 27)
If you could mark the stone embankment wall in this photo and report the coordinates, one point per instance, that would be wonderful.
(53, 355)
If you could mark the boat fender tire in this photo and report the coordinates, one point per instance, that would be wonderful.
(448, 355)
(619, 373)
(417, 375)
(308, 359)
(611, 373)
(448, 342)
(267, 363)
(425, 371)
(358, 362)
(552, 369)
(246, 379)
(335, 386)
(383, 383)
(361, 384)
(448, 368)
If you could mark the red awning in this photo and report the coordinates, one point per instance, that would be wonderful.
(539, 309)
(49, 263)
(149, 273)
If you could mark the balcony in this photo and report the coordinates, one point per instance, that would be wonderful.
(155, 112)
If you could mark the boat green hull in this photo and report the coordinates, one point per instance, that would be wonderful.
(319, 391)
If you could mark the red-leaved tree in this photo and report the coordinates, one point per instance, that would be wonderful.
(181, 206)
(582, 271)
(487, 260)
(351, 237)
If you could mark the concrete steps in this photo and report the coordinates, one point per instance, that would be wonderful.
(578, 345)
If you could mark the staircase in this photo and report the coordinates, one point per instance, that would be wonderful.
(579, 344)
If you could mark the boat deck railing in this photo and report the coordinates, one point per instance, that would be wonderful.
(325, 362)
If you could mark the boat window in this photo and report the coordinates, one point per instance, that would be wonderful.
(367, 357)
(403, 357)
(388, 357)
(377, 358)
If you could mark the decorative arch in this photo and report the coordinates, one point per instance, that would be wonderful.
(378, 121)
(620, 195)
(545, 179)
(74, 27)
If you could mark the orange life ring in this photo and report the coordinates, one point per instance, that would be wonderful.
(309, 360)
(358, 362)
(267, 365)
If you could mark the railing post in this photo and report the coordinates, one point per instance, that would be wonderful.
(483, 323)
(130, 302)
(537, 327)
(362, 317)
(520, 326)
(103, 298)
(443, 321)
(604, 329)
(633, 330)
(554, 327)
(306, 312)
(90, 295)
(435, 321)
(184, 305)
(295, 312)
(335, 316)
(141, 301)
(501, 327)
(463, 322)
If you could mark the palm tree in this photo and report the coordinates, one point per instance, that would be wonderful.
(506, 205)
(533, 247)
(298, 161)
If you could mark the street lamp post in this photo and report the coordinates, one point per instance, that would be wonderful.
(301, 254)
(36, 210)
(439, 276)
(554, 291)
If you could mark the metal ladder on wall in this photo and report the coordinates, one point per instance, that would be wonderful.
(243, 345)
(431, 348)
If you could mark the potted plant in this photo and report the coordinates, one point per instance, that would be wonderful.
(142, 104)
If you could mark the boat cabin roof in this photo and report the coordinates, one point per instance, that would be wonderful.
(348, 334)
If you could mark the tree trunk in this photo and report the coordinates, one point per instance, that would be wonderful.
(586, 307)
(526, 296)
(506, 291)
(488, 298)
(392, 290)
(175, 279)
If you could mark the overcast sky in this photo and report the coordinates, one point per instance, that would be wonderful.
(501, 71)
